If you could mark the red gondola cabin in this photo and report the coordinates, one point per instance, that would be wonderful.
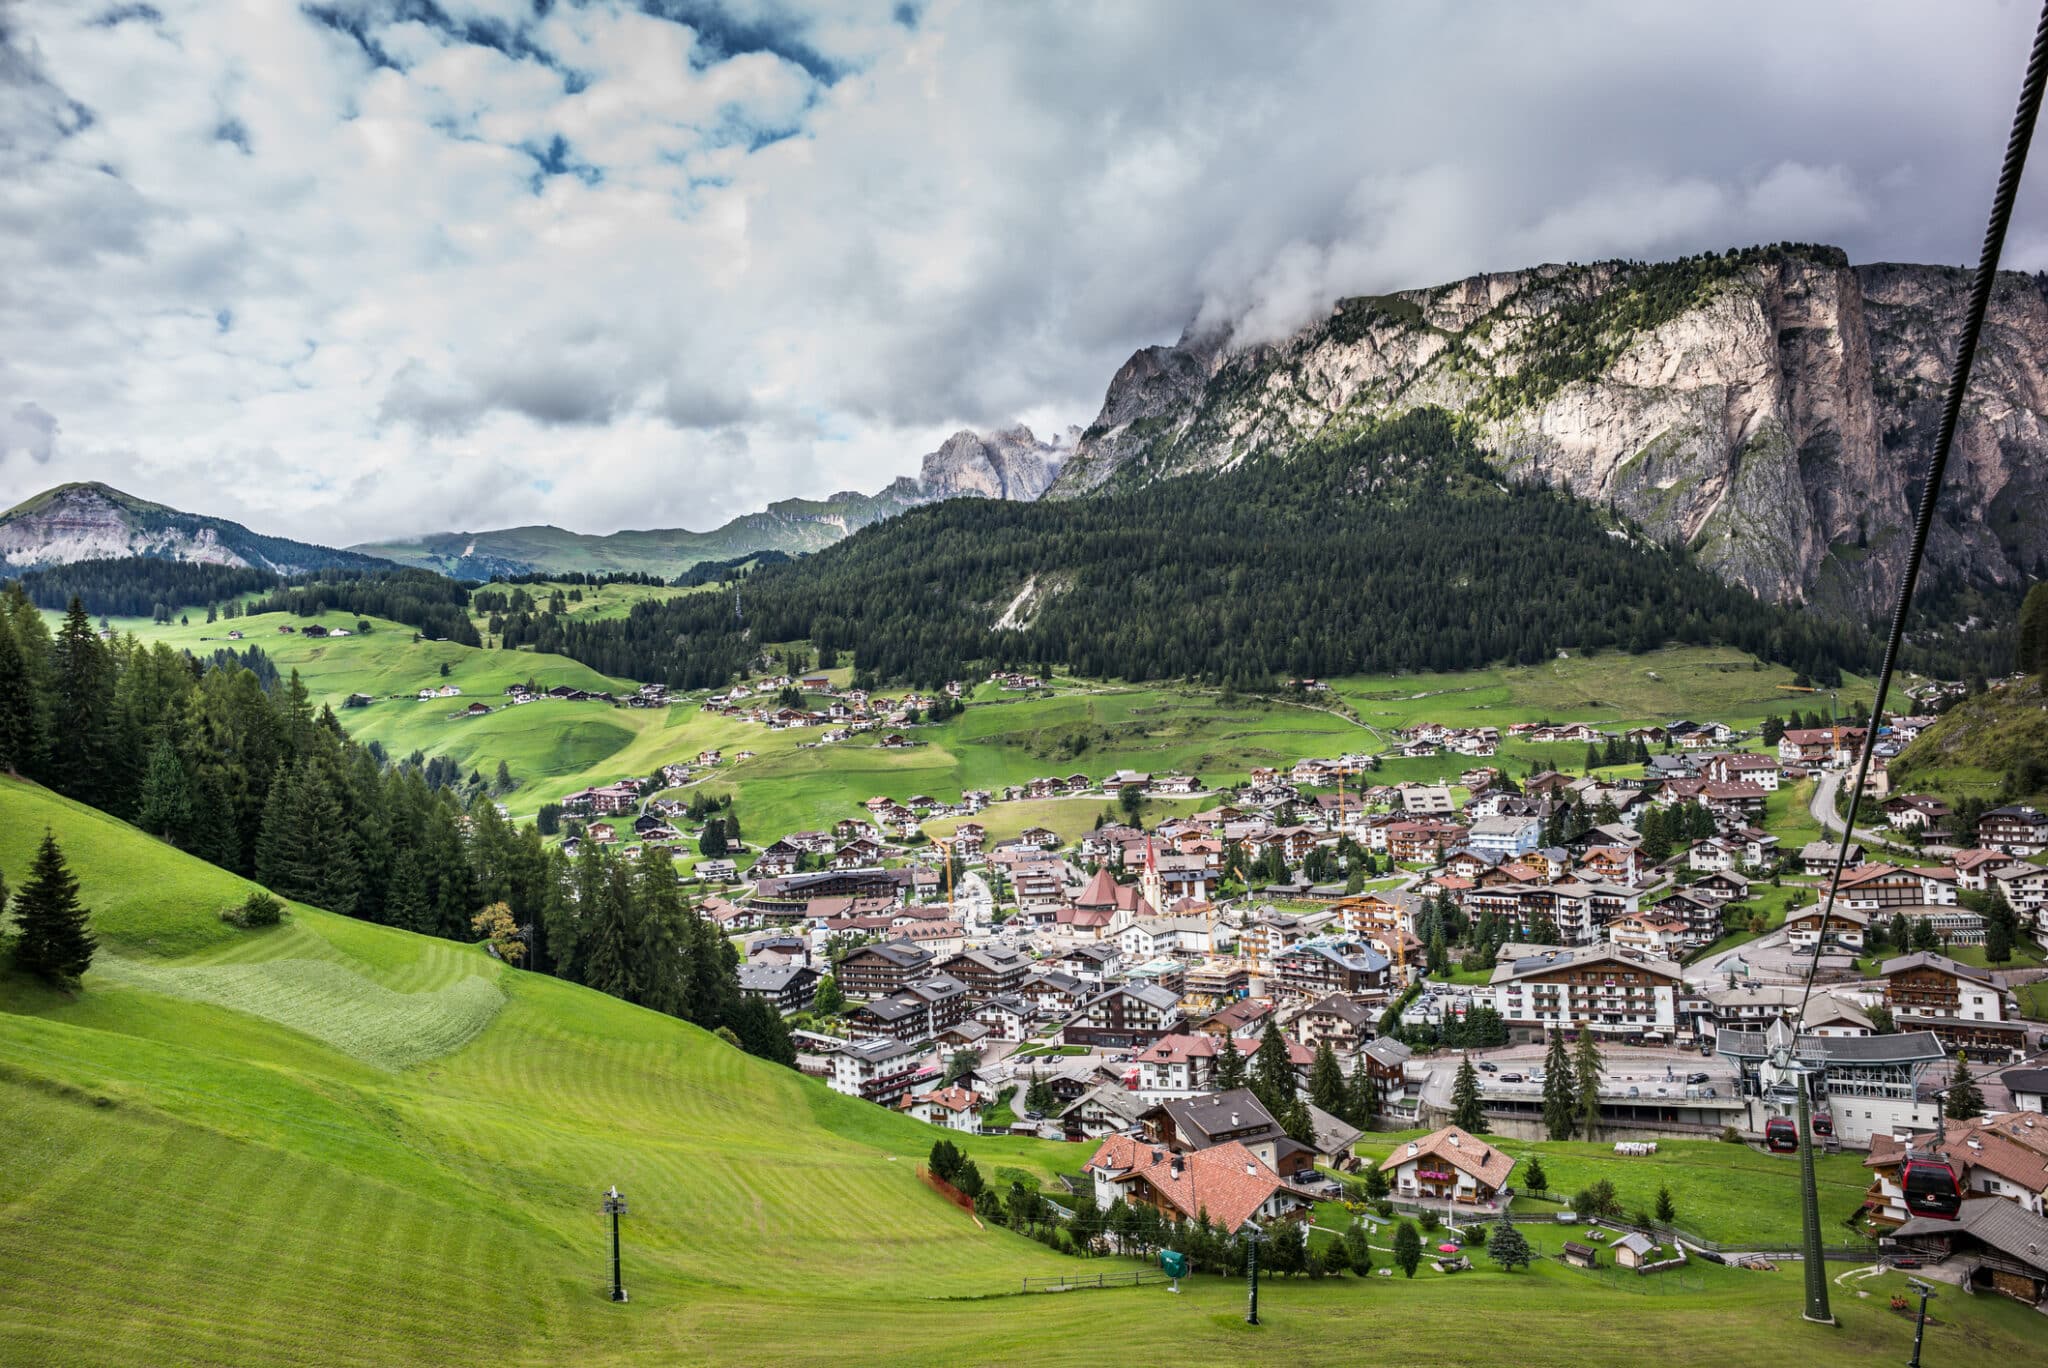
(1780, 1135)
(1930, 1186)
(1823, 1123)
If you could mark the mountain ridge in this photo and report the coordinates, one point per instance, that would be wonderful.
(1008, 464)
(1770, 408)
(89, 520)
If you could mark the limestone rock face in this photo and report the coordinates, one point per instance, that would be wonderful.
(1774, 410)
(75, 522)
(1012, 464)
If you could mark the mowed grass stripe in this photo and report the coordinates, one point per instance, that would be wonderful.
(330, 1003)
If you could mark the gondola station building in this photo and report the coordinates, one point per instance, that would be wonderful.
(1870, 1085)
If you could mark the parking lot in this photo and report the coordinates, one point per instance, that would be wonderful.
(1654, 1072)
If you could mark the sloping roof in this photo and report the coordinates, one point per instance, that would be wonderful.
(1198, 1118)
(1927, 959)
(1228, 1181)
(1480, 1158)
(1100, 892)
(1119, 1101)
(1903, 1048)
(771, 978)
(2005, 1226)
(1333, 1133)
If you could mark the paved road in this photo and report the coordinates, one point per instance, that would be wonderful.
(1823, 807)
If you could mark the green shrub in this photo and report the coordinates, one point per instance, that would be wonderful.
(260, 909)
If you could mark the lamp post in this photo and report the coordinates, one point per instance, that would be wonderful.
(1253, 1237)
(615, 1206)
(1920, 1326)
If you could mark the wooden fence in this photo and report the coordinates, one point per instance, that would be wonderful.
(1071, 1282)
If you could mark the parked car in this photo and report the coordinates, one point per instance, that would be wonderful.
(1634, 1091)
(1489, 1066)
(1511, 1078)
(1698, 1078)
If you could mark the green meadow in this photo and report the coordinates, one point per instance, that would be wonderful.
(792, 781)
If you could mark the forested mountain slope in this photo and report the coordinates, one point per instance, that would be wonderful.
(1773, 409)
(1397, 546)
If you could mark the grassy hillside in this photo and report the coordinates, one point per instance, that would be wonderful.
(1971, 749)
(791, 782)
(214, 1156)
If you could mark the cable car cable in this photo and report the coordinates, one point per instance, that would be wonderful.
(2017, 144)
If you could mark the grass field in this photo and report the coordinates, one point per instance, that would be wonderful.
(215, 1156)
(1697, 682)
(791, 782)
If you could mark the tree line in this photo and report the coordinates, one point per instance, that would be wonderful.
(133, 586)
(1399, 547)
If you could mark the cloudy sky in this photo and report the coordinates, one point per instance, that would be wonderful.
(362, 268)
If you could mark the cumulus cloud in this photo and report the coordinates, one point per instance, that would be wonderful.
(360, 268)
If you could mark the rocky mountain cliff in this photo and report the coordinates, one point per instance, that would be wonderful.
(76, 522)
(1774, 409)
(1012, 464)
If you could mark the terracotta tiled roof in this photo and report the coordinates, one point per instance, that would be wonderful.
(1228, 1181)
(1475, 1155)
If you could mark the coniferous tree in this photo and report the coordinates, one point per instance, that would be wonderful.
(2033, 631)
(82, 704)
(1507, 1246)
(1534, 1178)
(1230, 1067)
(1407, 1248)
(1467, 1111)
(1326, 1080)
(53, 942)
(1963, 1101)
(166, 807)
(1361, 1094)
(1586, 1067)
(1272, 1073)
(1297, 1121)
(1560, 1094)
(1358, 1243)
(20, 732)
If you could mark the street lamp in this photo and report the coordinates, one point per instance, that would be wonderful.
(1920, 1326)
(615, 1206)
(1253, 1237)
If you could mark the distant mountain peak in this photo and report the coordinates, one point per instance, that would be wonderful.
(88, 520)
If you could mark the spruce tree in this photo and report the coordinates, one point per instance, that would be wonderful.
(1361, 1099)
(1326, 1081)
(53, 943)
(1407, 1248)
(1964, 1101)
(1534, 1178)
(1507, 1246)
(2033, 631)
(1586, 1064)
(1560, 1094)
(83, 696)
(1272, 1074)
(20, 734)
(1358, 1243)
(166, 806)
(1467, 1111)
